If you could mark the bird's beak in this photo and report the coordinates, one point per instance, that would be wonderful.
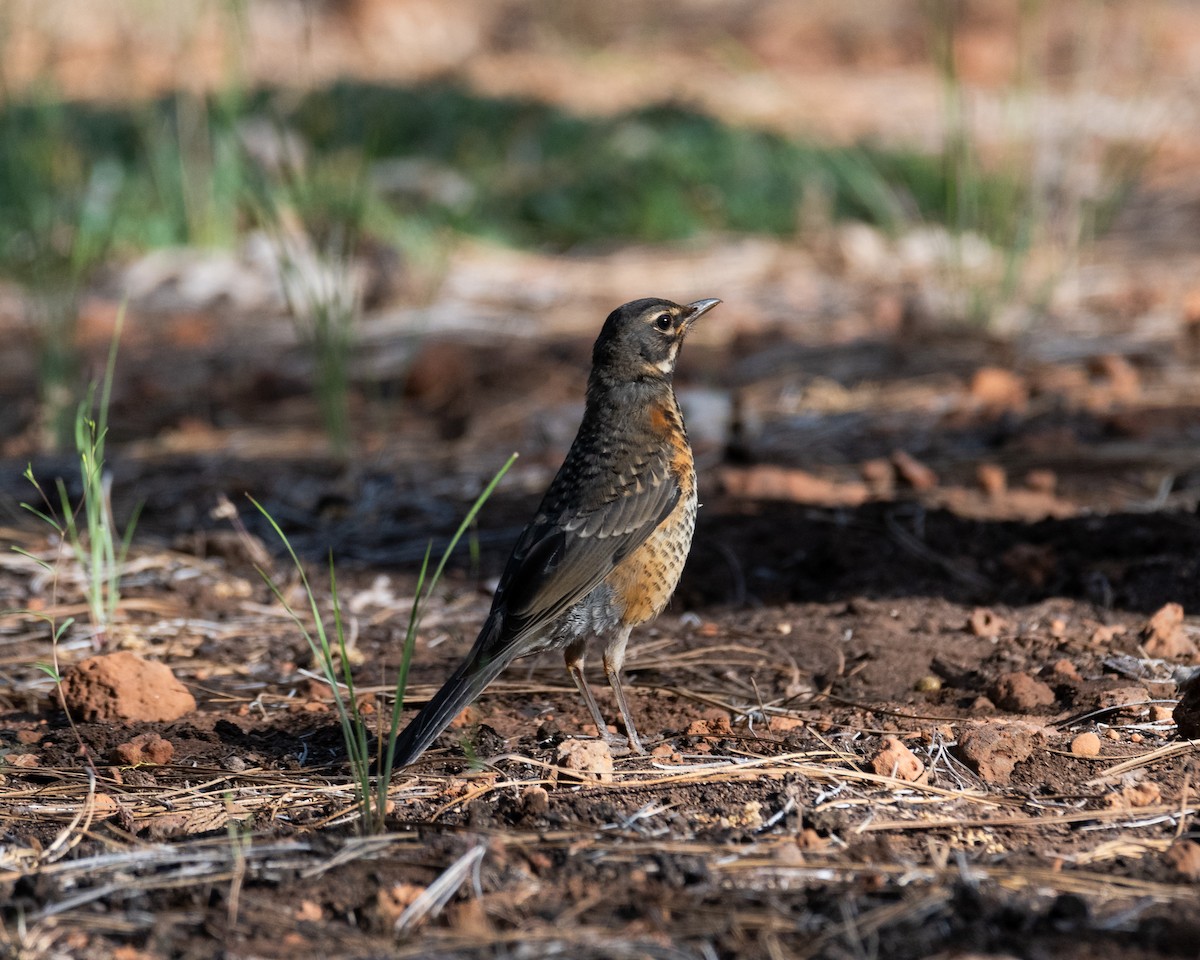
(693, 311)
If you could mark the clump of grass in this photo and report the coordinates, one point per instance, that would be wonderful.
(328, 646)
(316, 219)
(92, 539)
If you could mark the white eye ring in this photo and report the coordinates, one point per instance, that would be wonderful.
(663, 321)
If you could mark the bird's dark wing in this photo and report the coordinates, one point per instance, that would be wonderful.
(568, 548)
(571, 546)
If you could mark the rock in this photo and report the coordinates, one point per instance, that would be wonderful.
(1143, 794)
(996, 390)
(1086, 745)
(1021, 693)
(1163, 634)
(983, 623)
(1183, 856)
(717, 726)
(535, 801)
(894, 759)
(993, 749)
(1064, 670)
(586, 759)
(1126, 699)
(144, 748)
(1160, 713)
(913, 472)
(123, 686)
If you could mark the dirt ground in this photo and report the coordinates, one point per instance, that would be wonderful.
(823, 610)
(917, 694)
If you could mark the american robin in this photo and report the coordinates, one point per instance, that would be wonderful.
(606, 547)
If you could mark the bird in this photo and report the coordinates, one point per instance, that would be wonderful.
(606, 547)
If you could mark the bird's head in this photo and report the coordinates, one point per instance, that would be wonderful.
(641, 340)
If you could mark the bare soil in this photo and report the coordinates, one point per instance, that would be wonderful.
(803, 633)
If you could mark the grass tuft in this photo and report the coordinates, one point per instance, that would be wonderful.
(328, 645)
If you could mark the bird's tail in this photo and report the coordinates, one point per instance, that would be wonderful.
(465, 684)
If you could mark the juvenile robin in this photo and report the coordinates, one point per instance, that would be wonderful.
(605, 549)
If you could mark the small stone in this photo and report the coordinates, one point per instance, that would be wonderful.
(894, 759)
(1183, 856)
(712, 727)
(928, 684)
(1126, 699)
(145, 748)
(586, 759)
(1161, 713)
(997, 390)
(1021, 693)
(1058, 628)
(1064, 669)
(535, 801)
(1144, 794)
(1104, 635)
(1163, 635)
(993, 749)
(1111, 734)
(981, 705)
(1086, 745)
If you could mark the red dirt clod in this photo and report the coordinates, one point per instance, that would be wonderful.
(1129, 697)
(1021, 693)
(894, 759)
(144, 748)
(535, 801)
(586, 759)
(1183, 856)
(1064, 670)
(1143, 794)
(123, 686)
(1163, 634)
(993, 749)
(997, 390)
(1086, 745)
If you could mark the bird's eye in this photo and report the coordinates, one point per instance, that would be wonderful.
(663, 321)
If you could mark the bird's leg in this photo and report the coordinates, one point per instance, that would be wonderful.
(614, 658)
(574, 656)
